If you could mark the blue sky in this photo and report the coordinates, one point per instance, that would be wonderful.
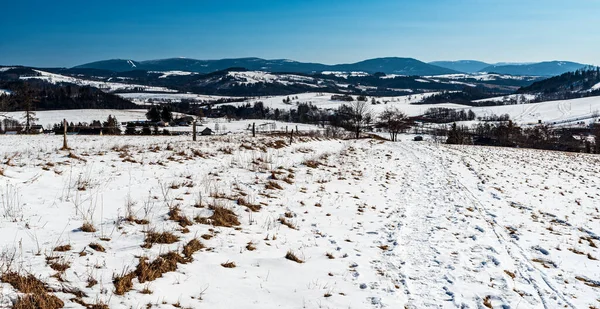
(71, 32)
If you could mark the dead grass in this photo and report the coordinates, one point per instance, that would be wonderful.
(191, 247)
(88, 227)
(59, 266)
(97, 247)
(250, 247)
(63, 248)
(37, 293)
(153, 237)
(164, 263)
(287, 223)
(244, 202)
(228, 264)
(273, 185)
(510, 274)
(588, 282)
(290, 255)
(329, 256)
(487, 301)
(24, 283)
(123, 283)
(38, 301)
(221, 217)
(182, 220)
(312, 163)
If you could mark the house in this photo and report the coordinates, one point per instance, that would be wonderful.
(206, 131)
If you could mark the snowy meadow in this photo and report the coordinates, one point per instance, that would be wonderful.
(241, 222)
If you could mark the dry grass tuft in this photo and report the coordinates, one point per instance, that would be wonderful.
(37, 298)
(206, 236)
(250, 247)
(273, 185)
(191, 247)
(287, 223)
(290, 255)
(228, 264)
(153, 237)
(97, 247)
(329, 256)
(221, 217)
(175, 215)
(59, 266)
(24, 284)
(123, 283)
(88, 227)
(312, 163)
(63, 248)
(487, 301)
(163, 264)
(243, 202)
(38, 301)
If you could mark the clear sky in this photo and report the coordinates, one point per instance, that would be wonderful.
(72, 32)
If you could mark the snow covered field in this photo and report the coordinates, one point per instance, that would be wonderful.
(370, 224)
(104, 86)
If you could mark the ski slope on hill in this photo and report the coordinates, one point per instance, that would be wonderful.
(370, 224)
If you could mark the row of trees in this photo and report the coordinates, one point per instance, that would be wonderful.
(158, 113)
(508, 134)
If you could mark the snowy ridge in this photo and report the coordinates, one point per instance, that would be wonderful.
(166, 74)
(104, 86)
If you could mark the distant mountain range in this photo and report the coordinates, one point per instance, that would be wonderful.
(465, 66)
(400, 66)
(390, 65)
(547, 69)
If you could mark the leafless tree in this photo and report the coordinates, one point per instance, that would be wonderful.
(360, 116)
(393, 121)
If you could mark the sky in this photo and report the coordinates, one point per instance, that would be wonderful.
(65, 33)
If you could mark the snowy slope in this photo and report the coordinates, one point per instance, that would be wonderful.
(105, 86)
(323, 101)
(375, 225)
(585, 109)
(147, 98)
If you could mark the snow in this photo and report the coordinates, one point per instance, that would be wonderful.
(253, 77)
(132, 64)
(144, 98)
(5, 92)
(388, 76)
(166, 74)
(49, 118)
(527, 97)
(104, 86)
(345, 74)
(4, 69)
(553, 112)
(483, 76)
(596, 86)
(323, 101)
(408, 224)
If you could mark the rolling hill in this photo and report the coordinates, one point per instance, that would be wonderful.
(549, 68)
(465, 66)
(392, 65)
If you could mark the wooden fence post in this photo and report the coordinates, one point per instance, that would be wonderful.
(291, 136)
(253, 130)
(65, 146)
(194, 131)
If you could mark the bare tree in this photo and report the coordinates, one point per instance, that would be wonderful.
(360, 116)
(27, 103)
(393, 121)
